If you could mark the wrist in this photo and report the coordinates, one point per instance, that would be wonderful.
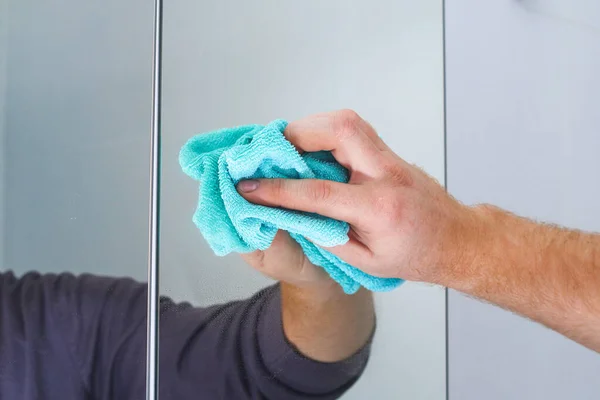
(472, 247)
(314, 292)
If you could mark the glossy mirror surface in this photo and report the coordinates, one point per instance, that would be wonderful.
(74, 120)
(235, 63)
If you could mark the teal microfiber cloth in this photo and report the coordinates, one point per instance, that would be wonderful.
(229, 223)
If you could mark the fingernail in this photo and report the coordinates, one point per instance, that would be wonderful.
(247, 186)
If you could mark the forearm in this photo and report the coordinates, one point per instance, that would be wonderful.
(324, 323)
(546, 273)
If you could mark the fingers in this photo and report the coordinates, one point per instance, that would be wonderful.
(284, 260)
(375, 138)
(328, 198)
(283, 250)
(352, 141)
(336, 200)
(353, 252)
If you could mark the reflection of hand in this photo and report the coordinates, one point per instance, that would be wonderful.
(284, 261)
(403, 223)
(320, 320)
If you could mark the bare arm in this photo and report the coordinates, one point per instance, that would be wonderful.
(327, 324)
(319, 319)
(546, 273)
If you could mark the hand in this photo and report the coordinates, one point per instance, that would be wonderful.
(285, 261)
(403, 223)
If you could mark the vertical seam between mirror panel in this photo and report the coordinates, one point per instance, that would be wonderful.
(3, 122)
(445, 111)
(152, 345)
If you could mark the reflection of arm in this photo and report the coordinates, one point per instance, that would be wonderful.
(90, 333)
(324, 323)
(546, 273)
(239, 351)
(72, 337)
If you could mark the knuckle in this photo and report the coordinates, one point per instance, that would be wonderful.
(276, 190)
(318, 191)
(346, 124)
(256, 259)
(398, 173)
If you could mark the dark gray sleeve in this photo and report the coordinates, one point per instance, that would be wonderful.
(232, 351)
(102, 322)
(239, 351)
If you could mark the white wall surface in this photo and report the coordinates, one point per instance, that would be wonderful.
(78, 111)
(523, 94)
(232, 62)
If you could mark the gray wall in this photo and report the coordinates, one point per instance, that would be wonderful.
(523, 94)
(236, 62)
(78, 112)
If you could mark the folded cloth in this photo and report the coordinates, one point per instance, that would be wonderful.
(229, 223)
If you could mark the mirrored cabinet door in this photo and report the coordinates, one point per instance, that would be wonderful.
(233, 63)
(75, 89)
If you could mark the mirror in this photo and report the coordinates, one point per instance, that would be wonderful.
(75, 87)
(234, 63)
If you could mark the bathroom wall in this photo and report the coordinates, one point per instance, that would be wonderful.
(76, 157)
(523, 130)
(232, 62)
